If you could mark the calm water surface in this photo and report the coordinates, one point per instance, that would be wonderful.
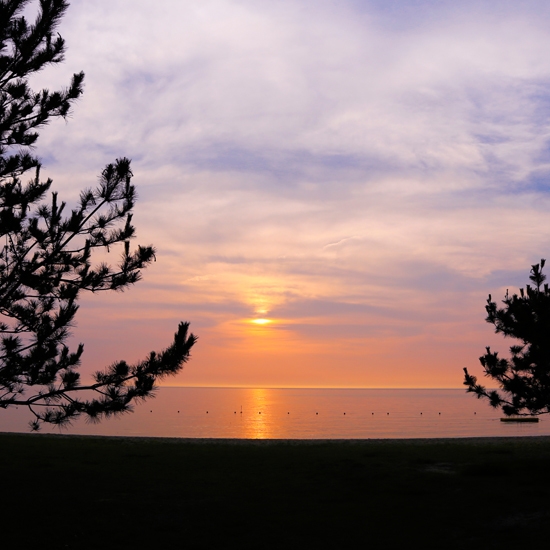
(300, 414)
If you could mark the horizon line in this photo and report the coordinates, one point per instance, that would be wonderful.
(315, 387)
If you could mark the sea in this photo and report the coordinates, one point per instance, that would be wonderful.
(248, 413)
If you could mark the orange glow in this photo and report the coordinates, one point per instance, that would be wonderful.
(260, 427)
(269, 343)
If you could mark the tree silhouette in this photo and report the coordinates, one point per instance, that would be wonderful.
(524, 379)
(46, 252)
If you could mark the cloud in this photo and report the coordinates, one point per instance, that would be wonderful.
(374, 154)
(247, 85)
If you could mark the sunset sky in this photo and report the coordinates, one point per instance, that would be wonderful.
(361, 173)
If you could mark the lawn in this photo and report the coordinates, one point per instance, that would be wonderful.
(72, 492)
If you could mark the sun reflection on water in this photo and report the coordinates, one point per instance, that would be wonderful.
(258, 425)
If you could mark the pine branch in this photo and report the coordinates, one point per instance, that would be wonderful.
(48, 256)
(120, 385)
(524, 378)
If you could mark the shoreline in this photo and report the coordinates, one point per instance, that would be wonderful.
(289, 441)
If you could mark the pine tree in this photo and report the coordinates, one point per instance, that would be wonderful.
(524, 379)
(46, 253)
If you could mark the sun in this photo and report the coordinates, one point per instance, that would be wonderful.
(261, 321)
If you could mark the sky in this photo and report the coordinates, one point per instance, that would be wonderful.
(362, 174)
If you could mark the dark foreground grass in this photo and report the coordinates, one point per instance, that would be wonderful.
(86, 492)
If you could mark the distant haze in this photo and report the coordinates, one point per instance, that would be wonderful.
(358, 174)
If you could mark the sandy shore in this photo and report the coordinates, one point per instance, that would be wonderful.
(304, 442)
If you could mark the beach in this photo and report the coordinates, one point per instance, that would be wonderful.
(65, 491)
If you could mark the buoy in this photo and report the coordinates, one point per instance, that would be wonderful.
(206, 412)
(316, 413)
(178, 412)
(388, 413)
(259, 412)
(344, 414)
(288, 413)
(420, 414)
